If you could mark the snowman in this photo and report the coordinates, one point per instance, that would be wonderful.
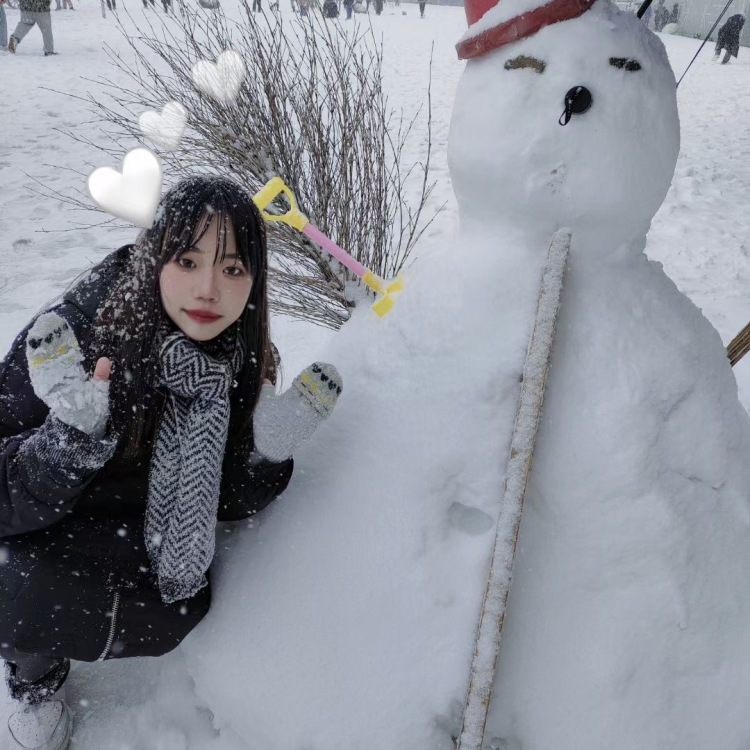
(627, 618)
(345, 618)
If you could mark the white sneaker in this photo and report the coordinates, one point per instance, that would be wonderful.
(46, 726)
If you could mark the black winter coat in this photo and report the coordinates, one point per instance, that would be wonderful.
(75, 579)
(729, 34)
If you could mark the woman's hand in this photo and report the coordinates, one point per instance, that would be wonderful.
(58, 378)
(282, 423)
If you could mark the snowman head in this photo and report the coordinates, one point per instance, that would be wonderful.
(519, 152)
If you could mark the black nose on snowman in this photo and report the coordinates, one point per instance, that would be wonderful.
(577, 101)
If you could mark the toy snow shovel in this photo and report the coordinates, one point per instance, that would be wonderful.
(294, 218)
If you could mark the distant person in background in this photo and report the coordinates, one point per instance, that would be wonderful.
(422, 4)
(68, 4)
(349, 5)
(648, 16)
(729, 38)
(3, 27)
(112, 4)
(256, 6)
(34, 12)
(661, 16)
(378, 7)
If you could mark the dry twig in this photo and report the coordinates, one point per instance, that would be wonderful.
(312, 109)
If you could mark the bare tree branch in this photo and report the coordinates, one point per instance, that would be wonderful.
(311, 109)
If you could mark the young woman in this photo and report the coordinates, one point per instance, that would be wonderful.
(111, 483)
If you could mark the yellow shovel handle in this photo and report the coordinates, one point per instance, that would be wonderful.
(268, 194)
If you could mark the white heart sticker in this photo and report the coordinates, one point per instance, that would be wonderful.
(220, 80)
(134, 194)
(165, 129)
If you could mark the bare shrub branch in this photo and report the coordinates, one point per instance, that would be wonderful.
(311, 109)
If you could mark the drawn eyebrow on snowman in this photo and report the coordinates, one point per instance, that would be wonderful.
(525, 61)
(625, 63)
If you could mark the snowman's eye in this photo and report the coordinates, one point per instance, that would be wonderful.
(524, 61)
(626, 63)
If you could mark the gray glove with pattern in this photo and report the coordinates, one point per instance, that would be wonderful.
(283, 422)
(58, 378)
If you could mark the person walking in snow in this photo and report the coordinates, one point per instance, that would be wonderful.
(422, 4)
(34, 12)
(648, 16)
(349, 6)
(729, 38)
(135, 413)
(3, 27)
(661, 16)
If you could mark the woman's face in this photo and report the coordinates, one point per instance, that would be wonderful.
(202, 294)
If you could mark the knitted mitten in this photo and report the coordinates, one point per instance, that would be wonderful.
(58, 377)
(282, 423)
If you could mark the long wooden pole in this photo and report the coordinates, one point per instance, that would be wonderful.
(529, 409)
(739, 346)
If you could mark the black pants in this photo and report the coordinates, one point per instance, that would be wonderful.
(421, 8)
(256, 5)
(29, 667)
(32, 679)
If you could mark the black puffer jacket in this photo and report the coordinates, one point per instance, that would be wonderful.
(74, 575)
(729, 34)
(35, 6)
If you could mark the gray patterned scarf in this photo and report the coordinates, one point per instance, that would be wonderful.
(185, 475)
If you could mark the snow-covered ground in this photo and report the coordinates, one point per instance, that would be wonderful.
(700, 235)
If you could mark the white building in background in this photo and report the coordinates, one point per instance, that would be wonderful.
(695, 20)
(698, 16)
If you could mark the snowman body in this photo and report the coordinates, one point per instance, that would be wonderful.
(627, 618)
(345, 619)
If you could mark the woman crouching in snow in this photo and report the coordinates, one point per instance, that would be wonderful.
(111, 484)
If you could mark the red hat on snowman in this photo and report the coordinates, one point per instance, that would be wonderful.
(493, 28)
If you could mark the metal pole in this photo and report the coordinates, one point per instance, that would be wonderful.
(721, 15)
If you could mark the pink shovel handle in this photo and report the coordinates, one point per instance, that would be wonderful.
(337, 252)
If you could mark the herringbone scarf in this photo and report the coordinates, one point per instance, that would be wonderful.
(185, 475)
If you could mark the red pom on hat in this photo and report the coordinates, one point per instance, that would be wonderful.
(516, 28)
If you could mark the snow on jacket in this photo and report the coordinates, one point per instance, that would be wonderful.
(75, 580)
(729, 34)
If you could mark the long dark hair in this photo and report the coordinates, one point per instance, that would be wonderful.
(129, 322)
